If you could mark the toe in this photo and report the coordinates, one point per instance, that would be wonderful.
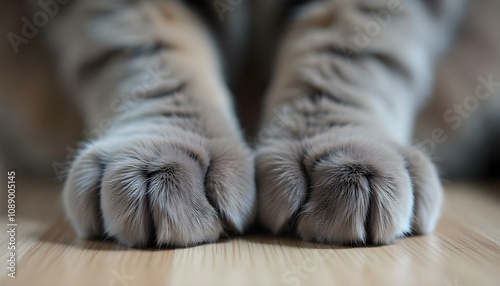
(124, 203)
(230, 183)
(360, 192)
(181, 212)
(153, 193)
(427, 188)
(81, 193)
(282, 184)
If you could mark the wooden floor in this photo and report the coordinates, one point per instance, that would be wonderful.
(465, 250)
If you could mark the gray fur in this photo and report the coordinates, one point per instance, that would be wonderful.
(334, 162)
(172, 169)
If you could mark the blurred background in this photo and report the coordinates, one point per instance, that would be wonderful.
(40, 127)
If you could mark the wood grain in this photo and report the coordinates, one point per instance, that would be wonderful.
(464, 250)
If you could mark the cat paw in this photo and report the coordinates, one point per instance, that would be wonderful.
(344, 187)
(160, 188)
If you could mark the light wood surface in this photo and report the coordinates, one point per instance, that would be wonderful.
(464, 250)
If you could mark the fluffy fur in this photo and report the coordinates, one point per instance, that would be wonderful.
(172, 168)
(333, 161)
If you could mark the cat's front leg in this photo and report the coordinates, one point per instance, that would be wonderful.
(172, 169)
(334, 162)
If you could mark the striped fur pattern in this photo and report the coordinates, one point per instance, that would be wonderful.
(168, 164)
(334, 164)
